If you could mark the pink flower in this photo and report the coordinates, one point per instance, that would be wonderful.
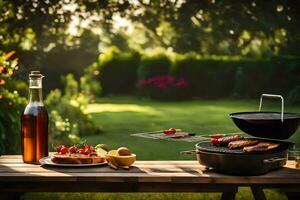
(164, 82)
(182, 84)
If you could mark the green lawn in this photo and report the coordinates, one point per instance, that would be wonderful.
(243, 194)
(121, 116)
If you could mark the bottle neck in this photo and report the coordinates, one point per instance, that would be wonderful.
(35, 91)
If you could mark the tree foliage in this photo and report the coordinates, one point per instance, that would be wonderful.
(68, 34)
(11, 105)
(208, 26)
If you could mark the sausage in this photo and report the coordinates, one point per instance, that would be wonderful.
(262, 146)
(225, 140)
(242, 143)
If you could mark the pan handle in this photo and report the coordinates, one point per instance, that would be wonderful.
(273, 96)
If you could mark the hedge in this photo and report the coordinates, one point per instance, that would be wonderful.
(219, 77)
(154, 65)
(208, 77)
(118, 71)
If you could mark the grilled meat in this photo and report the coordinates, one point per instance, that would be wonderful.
(242, 143)
(225, 140)
(262, 146)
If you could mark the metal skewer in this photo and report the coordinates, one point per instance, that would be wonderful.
(161, 131)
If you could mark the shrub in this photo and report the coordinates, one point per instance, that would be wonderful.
(62, 131)
(66, 110)
(18, 85)
(209, 78)
(240, 77)
(277, 75)
(163, 87)
(89, 85)
(154, 65)
(11, 106)
(117, 71)
(294, 95)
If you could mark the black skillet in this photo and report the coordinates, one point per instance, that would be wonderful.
(275, 125)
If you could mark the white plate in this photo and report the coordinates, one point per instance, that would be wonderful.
(48, 161)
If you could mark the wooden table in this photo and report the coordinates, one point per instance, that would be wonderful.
(145, 176)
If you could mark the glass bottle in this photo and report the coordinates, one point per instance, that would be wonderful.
(34, 122)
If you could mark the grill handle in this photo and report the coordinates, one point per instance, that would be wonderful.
(189, 152)
(273, 96)
(274, 160)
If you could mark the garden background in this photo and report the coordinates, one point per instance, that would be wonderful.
(113, 68)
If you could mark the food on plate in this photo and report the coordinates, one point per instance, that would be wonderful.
(101, 149)
(102, 146)
(122, 157)
(101, 152)
(225, 140)
(242, 143)
(74, 155)
(87, 154)
(123, 151)
(72, 149)
(261, 146)
(112, 152)
(76, 158)
(122, 160)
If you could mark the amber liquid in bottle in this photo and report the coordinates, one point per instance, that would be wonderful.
(34, 125)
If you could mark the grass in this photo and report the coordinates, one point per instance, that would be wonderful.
(243, 194)
(121, 116)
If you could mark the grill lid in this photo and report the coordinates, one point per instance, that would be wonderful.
(275, 125)
(264, 116)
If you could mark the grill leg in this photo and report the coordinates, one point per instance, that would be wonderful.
(229, 195)
(258, 193)
(293, 196)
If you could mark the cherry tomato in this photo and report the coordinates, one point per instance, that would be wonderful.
(63, 149)
(87, 146)
(86, 151)
(170, 131)
(93, 150)
(58, 149)
(217, 136)
(214, 141)
(80, 151)
(72, 149)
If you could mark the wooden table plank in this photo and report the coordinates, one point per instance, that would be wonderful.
(178, 177)
(12, 169)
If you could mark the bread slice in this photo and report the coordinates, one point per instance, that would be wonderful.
(76, 159)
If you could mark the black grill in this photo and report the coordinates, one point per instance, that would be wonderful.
(209, 147)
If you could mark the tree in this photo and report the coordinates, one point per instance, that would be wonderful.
(59, 29)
